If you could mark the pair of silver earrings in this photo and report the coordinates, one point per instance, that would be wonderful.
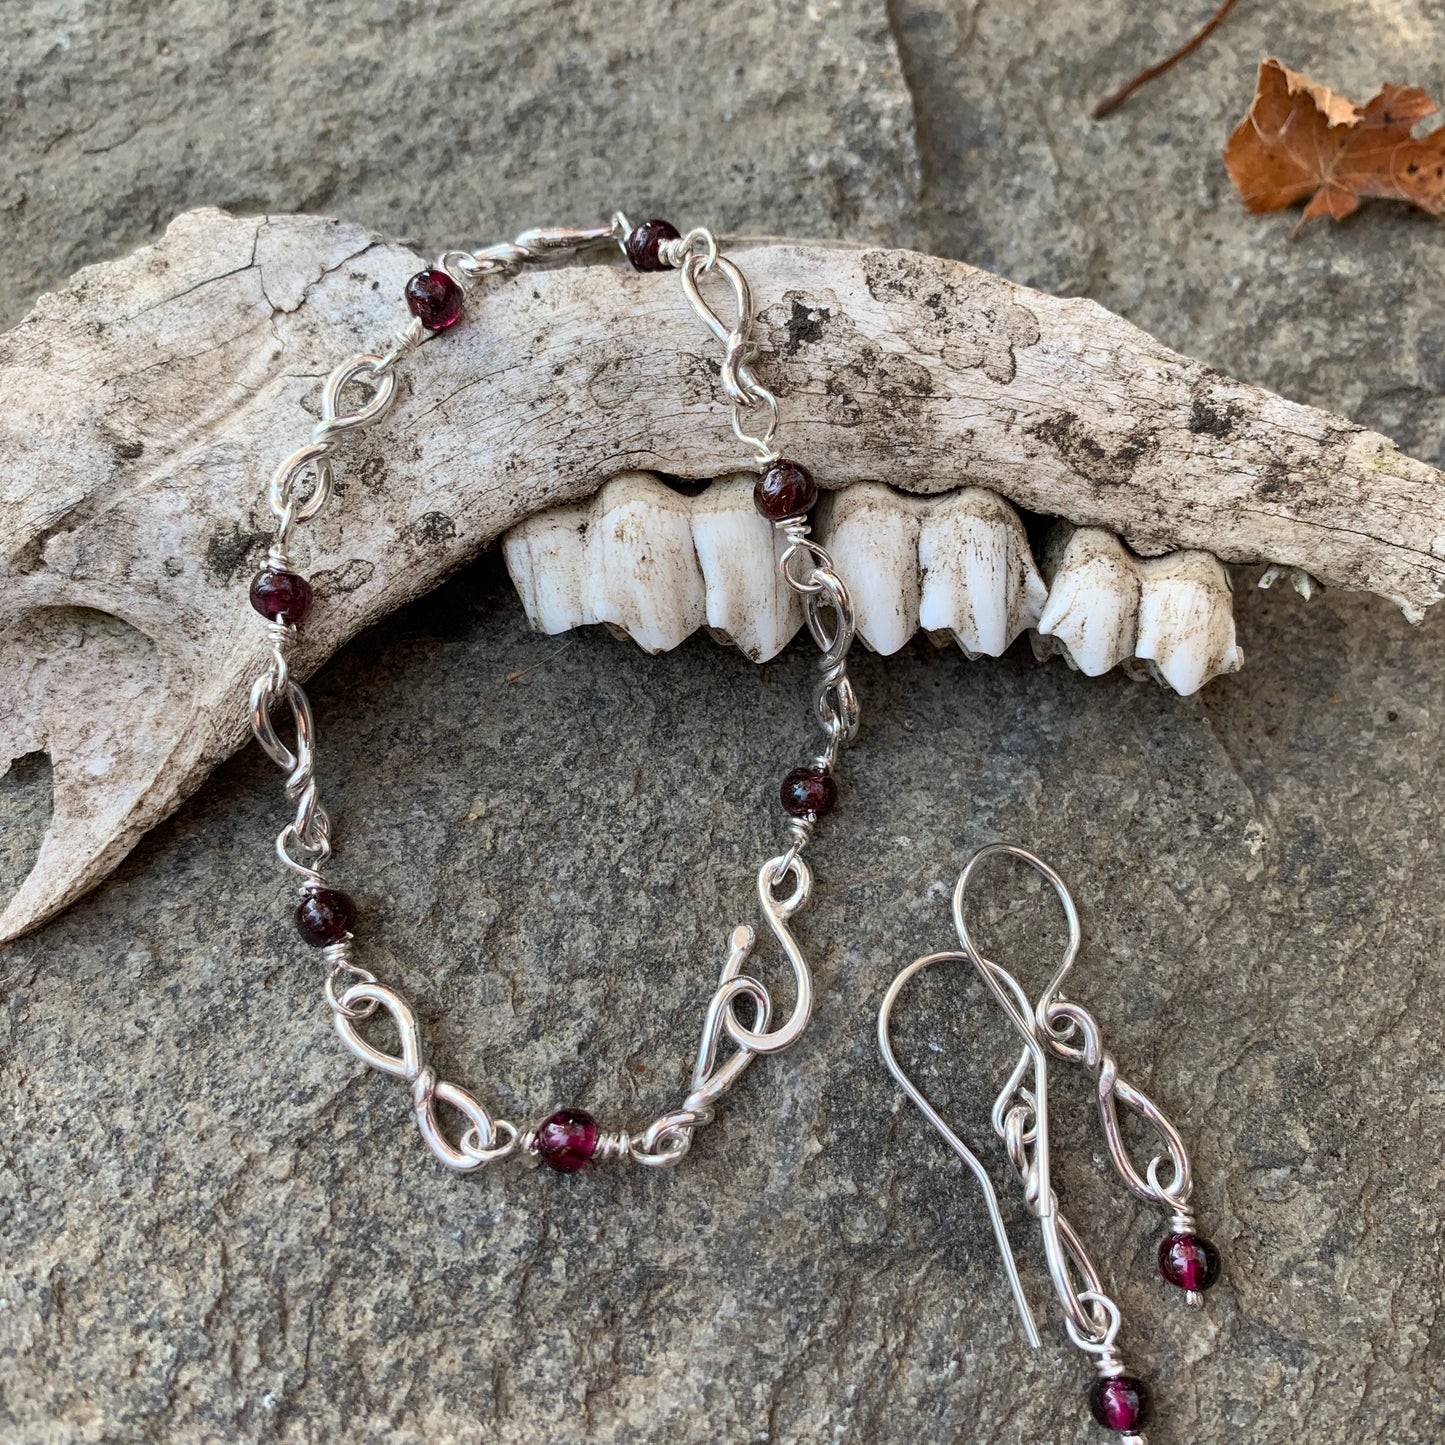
(1056, 1026)
(570, 1139)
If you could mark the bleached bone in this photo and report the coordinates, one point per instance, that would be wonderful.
(147, 403)
(1107, 608)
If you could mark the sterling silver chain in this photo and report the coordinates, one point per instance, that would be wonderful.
(303, 485)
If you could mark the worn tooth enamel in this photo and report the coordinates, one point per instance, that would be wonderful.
(979, 578)
(546, 558)
(625, 559)
(871, 532)
(1186, 620)
(1092, 610)
(643, 559)
(748, 603)
(1169, 617)
(642, 573)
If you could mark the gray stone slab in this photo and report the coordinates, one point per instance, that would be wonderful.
(215, 1226)
(441, 122)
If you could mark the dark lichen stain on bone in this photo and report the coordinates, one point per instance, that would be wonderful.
(875, 385)
(805, 325)
(433, 529)
(1210, 418)
(1085, 455)
(230, 555)
(975, 323)
(352, 574)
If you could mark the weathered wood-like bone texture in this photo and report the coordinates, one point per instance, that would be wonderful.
(148, 402)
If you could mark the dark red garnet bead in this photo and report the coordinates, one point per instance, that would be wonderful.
(280, 596)
(434, 299)
(1120, 1403)
(641, 244)
(567, 1140)
(786, 489)
(1188, 1261)
(325, 915)
(809, 793)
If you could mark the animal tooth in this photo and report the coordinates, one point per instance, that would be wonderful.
(872, 532)
(1169, 617)
(546, 559)
(748, 603)
(643, 559)
(1092, 609)
(1186, 619)
(642, 572)
(1297, 577)
(625, 559)
(979, 578)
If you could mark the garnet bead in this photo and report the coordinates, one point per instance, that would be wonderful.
(809, 793)
(641, 244)
(325, 916)
(1120, 1403)
(434, 299)
(786, 489)
(1188, 1261)
(567, 1140)
(280, 596)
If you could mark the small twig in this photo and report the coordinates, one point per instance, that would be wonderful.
(1112, 102)
(555, 653)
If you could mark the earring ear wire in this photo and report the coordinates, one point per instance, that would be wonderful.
(926, 1108)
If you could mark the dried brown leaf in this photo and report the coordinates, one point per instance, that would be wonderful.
(1300, 141)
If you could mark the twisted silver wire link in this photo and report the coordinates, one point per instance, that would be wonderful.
(301, 487)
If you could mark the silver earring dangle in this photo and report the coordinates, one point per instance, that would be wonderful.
(1057, 1026)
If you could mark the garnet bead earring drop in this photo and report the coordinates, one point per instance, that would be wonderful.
(1189, 1262)
(1120, 1403)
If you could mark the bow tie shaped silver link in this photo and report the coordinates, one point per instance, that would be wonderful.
(479, 1143)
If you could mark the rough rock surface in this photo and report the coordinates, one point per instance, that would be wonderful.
(216, 1227)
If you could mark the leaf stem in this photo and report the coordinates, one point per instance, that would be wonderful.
(1113, 101)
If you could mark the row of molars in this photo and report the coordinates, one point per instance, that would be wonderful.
(657, 564)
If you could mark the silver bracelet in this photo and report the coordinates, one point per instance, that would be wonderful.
(569, 1139)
